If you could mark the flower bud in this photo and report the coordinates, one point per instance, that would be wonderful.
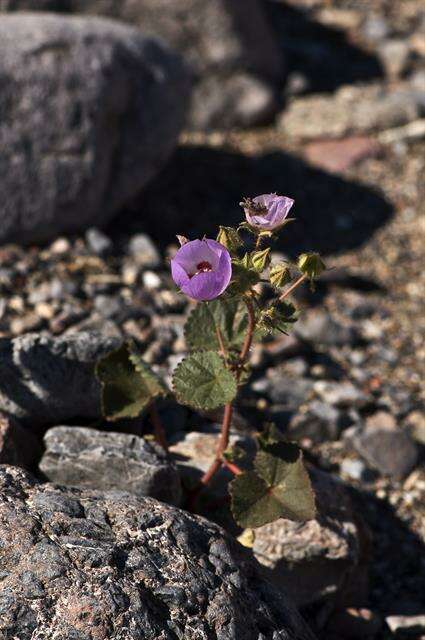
(279, 275)
(260, 259)
(229, 238)
(311, 265)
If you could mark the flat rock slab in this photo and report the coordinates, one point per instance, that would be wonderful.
(46, 380)
(79, 564)
(87, 458)
(90, 111)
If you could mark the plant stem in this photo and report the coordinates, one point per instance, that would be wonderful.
(221, 343)
(249, 336)
(292, 287)
(223, 442)
(232, 467)
(158, 427)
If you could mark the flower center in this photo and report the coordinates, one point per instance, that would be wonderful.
(202, 267)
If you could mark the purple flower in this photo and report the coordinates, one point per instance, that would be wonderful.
(267, 212)
(202, 269)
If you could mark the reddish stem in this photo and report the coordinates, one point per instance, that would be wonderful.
(292, 287)
(232, 467)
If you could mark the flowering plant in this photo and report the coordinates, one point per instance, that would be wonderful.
(223, 275)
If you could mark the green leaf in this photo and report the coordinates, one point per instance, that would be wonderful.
(279, 487)
(270, 435)
(202, 381)
(127, 383)
(243, 278)
(229, 316)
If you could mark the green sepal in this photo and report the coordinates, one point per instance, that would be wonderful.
(128, 385)
(229, 238)
(202, 381)
(278, 487)
(280, 275)
(278, 318)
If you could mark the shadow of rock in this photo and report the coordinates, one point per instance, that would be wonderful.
(201, 188)
(322, 54)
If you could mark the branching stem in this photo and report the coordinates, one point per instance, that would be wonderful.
(292, 287)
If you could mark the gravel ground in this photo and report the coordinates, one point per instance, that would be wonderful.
(359, 200)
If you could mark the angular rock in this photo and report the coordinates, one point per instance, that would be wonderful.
(230, 47)
(385, 446)
(91, 109)
(91, 459)
(46, 380)
(90, 564)
(321, 558)
(18, 446)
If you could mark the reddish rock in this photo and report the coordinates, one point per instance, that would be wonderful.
(337, 156)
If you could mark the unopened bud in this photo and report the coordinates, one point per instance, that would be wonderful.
(311, 265)
(229, 238)
(279, 275)
(260, 259)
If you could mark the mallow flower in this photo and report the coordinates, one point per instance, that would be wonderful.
(267, 212)
(202, 269)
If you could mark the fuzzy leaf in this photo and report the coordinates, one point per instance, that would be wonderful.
(229, 316)
(243, 278)
(128, 385)
(279, 487)
(202, 381)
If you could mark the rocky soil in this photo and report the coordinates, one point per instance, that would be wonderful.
(348, 145)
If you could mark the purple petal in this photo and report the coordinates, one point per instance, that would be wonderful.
(194, 252)
(179, 275)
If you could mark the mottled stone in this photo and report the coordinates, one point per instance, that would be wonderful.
(87, 458)
(78, 564)
(47, 380)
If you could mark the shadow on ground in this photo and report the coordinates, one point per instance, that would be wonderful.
(201, 188)
(322, 54)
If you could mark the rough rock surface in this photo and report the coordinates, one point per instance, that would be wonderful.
(87, 458)
(320, 558)
(18, 446)
(229, 46)
(80, 564)
(91, 109)
(45, 380)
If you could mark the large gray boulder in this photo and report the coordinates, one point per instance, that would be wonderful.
(46, 380)
(78, 564)
(90, 111)
(91, 459)
(228, 44)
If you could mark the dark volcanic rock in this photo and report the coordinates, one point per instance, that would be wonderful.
(80, 564)
(80, 457)
(229, 45)
(45, 380)
(90, 111)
